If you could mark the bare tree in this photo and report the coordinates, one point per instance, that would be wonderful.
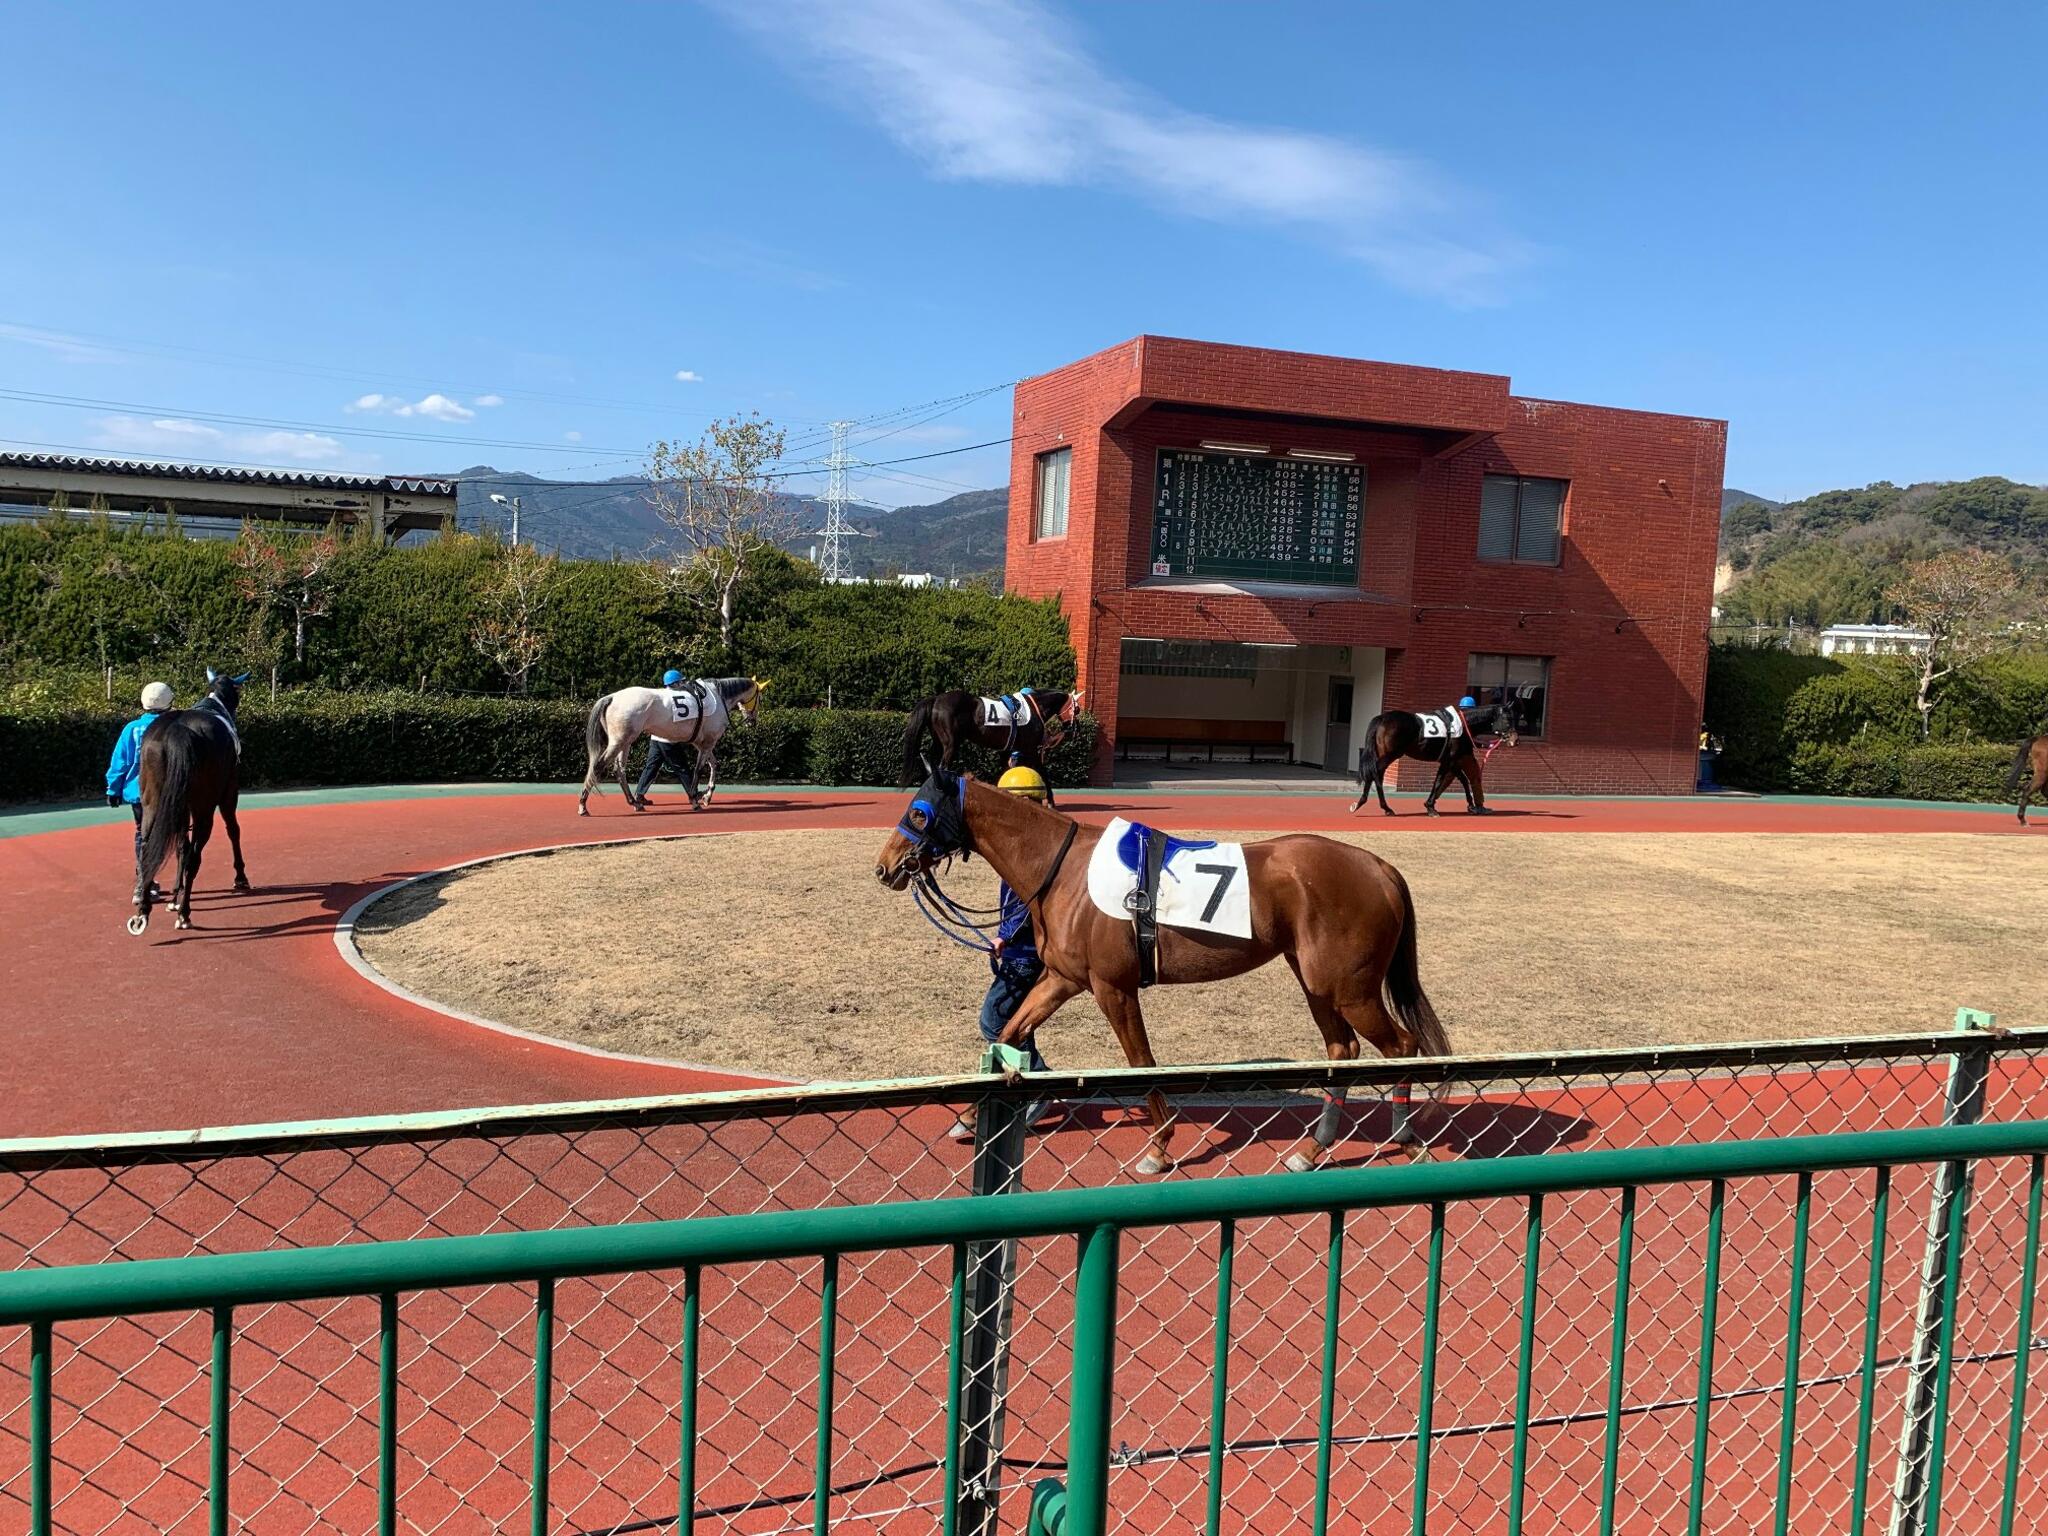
(718, 496)
(292, 573)
(508, 627)
(1954, 598)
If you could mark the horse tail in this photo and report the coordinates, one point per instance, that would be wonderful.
(1411, 1006)
(913, 741)
(596, 736)
(166, 773)
(2021, 760)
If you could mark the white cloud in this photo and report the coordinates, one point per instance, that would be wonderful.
(196, 439)
(72, 349)
(689, 376)
(490, 400)
(437, 406)
(1005, 91)
(572, 437)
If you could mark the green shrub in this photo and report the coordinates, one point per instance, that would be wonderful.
(1747, 694)
(317, 737)
(1884, 769)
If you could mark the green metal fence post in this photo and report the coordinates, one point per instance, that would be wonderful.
(1094, 1374)
(1945, 1355)
(1866, 1395)
(39, 1429)
(218, 1443)
(1610, 1449)
(2022, 1349)
(1219, 1377)
(543, 1401)
(1710, 1310)
(1425, 1422)
(999, 1131)
(1326, 1405)
(1795, 1322)
(956, 1351)
(828, 1352)
(1948, 1211)
(387, 1415)
(686, 1450)
(1518, 1468)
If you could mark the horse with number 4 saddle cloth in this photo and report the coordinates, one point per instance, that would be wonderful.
(1021, 727)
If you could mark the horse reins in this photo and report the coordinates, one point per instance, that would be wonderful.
(957, 921)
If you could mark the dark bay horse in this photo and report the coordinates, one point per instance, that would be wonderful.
(955, 717)
(191, 767)
(1342, 918)
(2029, 773)
(1396, 733)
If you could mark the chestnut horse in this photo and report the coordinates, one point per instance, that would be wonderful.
(1342, 918)
(2029, 772)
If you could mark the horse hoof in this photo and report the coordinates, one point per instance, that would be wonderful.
(242, 887)
(138, 925)
(582, 810)
(1386, 810)
(1429, 810)
(1300, 1162)
(1152, 1165)
(182, 922)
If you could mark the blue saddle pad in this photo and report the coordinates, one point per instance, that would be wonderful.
(1128, 846)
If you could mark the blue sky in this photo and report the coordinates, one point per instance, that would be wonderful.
(500, 233)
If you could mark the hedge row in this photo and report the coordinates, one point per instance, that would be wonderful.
(319, 738)
(75, 594)
(1818, 725)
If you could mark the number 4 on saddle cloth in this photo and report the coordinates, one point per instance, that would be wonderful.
(1153, 878)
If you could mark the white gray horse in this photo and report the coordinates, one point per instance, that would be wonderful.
(693, 714)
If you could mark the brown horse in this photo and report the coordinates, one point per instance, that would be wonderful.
(1398, 733)
(954, 717)
(2029, 772)
(1342, 918)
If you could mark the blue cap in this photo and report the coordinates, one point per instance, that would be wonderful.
(670, 678)
(1468, 702)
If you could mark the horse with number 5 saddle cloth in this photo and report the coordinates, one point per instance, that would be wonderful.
(1127, 906)
(1025, 725)
(695, 713)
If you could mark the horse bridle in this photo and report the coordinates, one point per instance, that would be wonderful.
(953, 919)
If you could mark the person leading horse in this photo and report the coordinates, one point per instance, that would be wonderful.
(1446, 738)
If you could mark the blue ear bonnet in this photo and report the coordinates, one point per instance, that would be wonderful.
(945, 816)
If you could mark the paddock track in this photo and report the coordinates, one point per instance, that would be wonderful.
(255, 1017)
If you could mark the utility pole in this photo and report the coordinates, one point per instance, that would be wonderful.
(837, 529)
(513, 503)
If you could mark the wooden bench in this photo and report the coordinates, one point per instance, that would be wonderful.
(1250, 741)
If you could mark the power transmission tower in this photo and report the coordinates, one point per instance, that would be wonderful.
(837, 530)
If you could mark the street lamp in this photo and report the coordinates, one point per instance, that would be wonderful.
(513, 503)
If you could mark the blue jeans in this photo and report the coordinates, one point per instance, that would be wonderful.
(1006, 995)
(659, 755)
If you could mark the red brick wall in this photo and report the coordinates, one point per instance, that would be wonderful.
(1624, 615)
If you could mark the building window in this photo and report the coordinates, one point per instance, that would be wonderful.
(1489, 679)
(1054, 468)
(1520, 519)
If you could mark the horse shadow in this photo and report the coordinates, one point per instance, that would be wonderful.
(1476, 1128)
(332, 900)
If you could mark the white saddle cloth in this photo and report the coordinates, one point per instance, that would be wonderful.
(1442, 725)
(996, 715)
(1203, 885)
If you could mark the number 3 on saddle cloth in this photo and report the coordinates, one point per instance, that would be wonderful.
(1153, 878)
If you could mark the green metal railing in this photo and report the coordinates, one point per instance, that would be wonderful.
(1096, 1219)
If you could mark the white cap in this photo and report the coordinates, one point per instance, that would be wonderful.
(156, 698)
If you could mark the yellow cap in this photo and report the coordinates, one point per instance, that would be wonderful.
(1023, 781)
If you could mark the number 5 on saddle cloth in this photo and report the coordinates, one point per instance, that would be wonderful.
(1154, 879)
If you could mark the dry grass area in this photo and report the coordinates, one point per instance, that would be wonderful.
(778, 952)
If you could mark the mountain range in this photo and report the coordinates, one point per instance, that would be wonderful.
(611, 519)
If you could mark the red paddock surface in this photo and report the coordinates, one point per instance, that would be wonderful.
(254, 1017)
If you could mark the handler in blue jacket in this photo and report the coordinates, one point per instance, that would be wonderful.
(124, 769)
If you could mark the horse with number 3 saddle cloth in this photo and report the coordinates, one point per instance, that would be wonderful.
(1154, 878)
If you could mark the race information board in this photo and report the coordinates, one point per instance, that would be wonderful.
(1248, 517)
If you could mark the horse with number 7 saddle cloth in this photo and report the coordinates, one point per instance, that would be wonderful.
(1154, 878)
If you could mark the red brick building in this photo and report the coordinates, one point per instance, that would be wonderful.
(1263, 549)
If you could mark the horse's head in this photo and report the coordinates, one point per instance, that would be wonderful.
(227, 689)
(933, 829)
(1060, 709)
(1507, 719)
(743, 694)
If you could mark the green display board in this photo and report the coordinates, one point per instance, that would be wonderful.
(1252, 517)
